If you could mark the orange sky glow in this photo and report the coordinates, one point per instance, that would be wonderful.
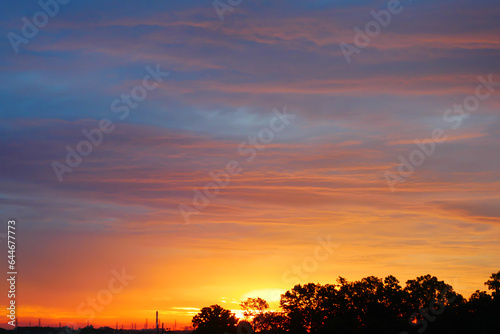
(122, 235)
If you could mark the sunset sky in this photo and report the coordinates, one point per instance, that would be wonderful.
(309, 205)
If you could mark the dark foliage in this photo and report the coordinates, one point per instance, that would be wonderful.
(371, 305)
(215, 319)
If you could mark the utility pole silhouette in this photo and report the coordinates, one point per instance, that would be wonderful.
(156, 322)
(39, 322)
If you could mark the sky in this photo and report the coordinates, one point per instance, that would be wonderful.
(233, 152)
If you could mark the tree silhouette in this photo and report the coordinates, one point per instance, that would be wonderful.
(300, 306)
(370, 305)
(254, 308)
(494, 284)
(273, 323)
(215, 320)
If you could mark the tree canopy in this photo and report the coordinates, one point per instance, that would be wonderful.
(215, 319)
(370, 305)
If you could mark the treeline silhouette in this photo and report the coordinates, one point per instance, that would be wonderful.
(371, 305)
